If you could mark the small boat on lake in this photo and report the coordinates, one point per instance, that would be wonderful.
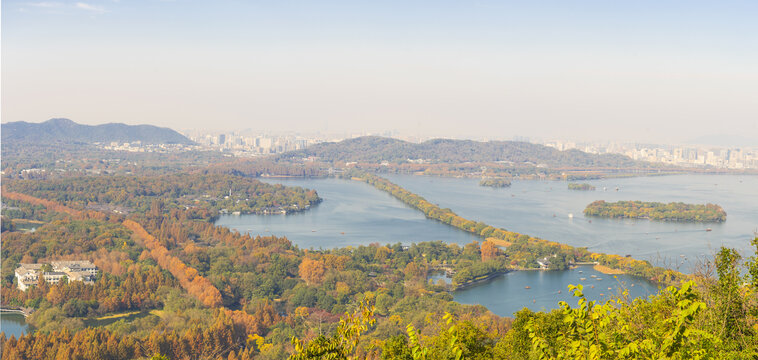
(708, 229)
(527, 287)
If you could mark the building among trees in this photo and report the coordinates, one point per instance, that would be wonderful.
(80, 270)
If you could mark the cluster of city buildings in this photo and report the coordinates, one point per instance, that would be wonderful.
(247, 143)
(252, 145)
(690, 156)
(138, 146)
(28, 275)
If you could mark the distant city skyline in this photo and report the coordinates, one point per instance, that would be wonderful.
(645, 71)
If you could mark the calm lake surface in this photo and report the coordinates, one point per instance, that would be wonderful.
(13, 324)
(528, 207)
(367, 215)
(507, 294)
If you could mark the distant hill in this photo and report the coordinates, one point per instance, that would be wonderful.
(375, 149)
(67, 131)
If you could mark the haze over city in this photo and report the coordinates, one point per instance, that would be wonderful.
(590, 70)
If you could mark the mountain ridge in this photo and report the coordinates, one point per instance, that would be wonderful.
(376, 149)
(62, 130)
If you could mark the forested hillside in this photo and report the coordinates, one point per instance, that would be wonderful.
(67, 131)
(374, 149)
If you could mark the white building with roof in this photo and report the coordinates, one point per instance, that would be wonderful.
(28, 275)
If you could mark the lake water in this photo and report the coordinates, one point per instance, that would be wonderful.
(528, 207)
(507, 294)
(367, 215)
(13, 324)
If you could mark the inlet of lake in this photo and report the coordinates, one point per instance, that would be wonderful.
(354, 213)
(13, 323)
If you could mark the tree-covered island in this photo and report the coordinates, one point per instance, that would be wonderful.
(583, 186)
(495, 182)
(674, 211)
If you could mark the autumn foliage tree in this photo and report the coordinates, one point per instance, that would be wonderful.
(188, 277)
(489, 250)
(312, 271)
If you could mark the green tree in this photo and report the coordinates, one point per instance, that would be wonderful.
(343, 341)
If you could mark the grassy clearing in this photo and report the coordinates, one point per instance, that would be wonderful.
(117, 315)
(606, 270)
(127, 316)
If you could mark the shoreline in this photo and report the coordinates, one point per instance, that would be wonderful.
(479, 281)
(26, 313)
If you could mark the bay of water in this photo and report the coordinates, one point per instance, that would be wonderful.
(353, 213)
(13, 324)
(507, 294)
(528, 207)
(538, 208)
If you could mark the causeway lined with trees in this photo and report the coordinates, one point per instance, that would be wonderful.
(522, 250)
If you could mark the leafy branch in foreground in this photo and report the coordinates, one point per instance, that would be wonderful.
(603, 332)
(421, 352)
(343, 341)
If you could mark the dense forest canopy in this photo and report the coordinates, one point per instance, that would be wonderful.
(186, 278)
(138, 193)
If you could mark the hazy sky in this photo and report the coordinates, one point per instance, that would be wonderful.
(640, 70)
